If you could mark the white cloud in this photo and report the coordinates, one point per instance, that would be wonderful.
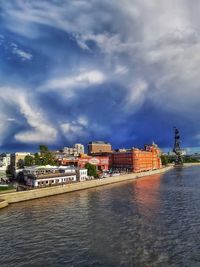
(75, 129)
(11, 119)
(20, 53)
(83, 121)
(40, 129)
(136, 95)
(121, 70)
(81, 80)
(68, 84)
(4, 127)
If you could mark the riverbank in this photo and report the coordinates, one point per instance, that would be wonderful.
(14, 197)
(3, 203)
(191, 164)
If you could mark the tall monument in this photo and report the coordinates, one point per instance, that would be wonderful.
(177, 148)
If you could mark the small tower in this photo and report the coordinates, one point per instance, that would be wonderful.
(177, 148)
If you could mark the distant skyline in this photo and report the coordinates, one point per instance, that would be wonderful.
(124, 71)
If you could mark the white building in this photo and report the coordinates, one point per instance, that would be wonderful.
(41, 176)
(82, 175)
(74, 151)
(50, 179)
(5, 161)
(79, 148)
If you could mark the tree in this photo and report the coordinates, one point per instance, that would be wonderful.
(46, 157)
(20, 178)
(164, 159)
(190, 159)
(29, 160)
(92, 171)
(43, 150)
(37, 159)
(20, 164)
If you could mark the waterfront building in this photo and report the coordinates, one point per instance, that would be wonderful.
(40, 176)
(81, 174)
(136, 160)
(131, 160)
(96, 147)
(74, 151)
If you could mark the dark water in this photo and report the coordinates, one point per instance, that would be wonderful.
(153, 221)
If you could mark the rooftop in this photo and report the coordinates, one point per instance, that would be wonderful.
(99, 142)
(49, 175)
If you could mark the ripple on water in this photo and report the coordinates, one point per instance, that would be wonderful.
(153, 221)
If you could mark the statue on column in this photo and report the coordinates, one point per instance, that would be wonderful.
(177, 148)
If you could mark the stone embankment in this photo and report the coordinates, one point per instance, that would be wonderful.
(60, 189)
(191, 164)
(3, 203)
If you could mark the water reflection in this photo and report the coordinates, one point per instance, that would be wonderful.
(152, 221)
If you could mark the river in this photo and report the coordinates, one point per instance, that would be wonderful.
(152, 221)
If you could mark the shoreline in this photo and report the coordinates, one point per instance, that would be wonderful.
(3, 203)
(14, 197)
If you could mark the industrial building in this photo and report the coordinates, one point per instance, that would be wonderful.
(136, 160)
(96, 147)
(131, 160)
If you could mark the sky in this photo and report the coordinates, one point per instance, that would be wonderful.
(122, 71)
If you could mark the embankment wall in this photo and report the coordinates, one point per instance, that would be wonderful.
(55, 190)
(3, 203)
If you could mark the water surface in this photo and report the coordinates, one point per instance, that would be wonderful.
(153, 221)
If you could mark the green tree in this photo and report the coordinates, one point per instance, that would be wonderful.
(92, 171)
(46, 157)
(20, 164)
(37, 159)
(43, 150)
(189, 159)
(10, 171)
(164, 159)
(29, 160)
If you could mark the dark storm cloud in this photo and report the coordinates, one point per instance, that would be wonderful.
(124, 71)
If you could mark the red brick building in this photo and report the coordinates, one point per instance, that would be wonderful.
(136, 160)
(102, 163)
(133, 160)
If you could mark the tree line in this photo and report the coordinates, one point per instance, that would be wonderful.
(169, 159)
(44, 157)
